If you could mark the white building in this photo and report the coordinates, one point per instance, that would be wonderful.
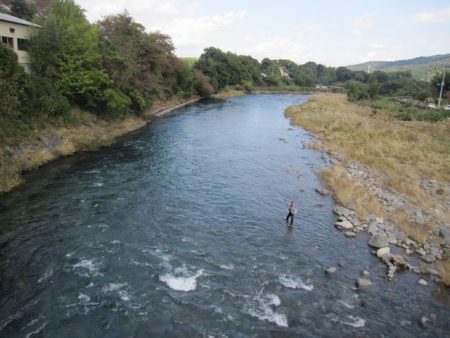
(14, 33)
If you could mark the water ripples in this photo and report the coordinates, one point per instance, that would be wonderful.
(180, 230)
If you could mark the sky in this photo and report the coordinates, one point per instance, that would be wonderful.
(334, 33)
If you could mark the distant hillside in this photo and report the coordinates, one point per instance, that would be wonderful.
(423, 67)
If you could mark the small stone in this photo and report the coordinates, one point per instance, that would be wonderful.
(363, 303)
(379, 220)
(422, 282)
(379, 241)
(428, 258)
(331, 270)
(322, 191)
(383, 252)
(350, 234)
(366, 273)
(408, 252)
(405, 322)
(421, 252)
(424, 322)
(363, 283)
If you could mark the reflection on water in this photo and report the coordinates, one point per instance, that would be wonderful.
(179, 230)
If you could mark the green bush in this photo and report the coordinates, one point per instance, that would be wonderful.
(357, 91)
(138, 101)
(117, 103)
(247, 85)
(43, 97)
(12, 78)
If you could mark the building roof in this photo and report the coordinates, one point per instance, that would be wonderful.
(13, 19)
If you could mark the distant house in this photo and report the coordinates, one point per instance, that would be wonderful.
(14, 33)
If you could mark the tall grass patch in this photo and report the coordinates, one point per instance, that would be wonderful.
(351, 193)
(403, 153)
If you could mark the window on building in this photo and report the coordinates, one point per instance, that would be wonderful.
(12, 30)
(22, 44)
(6, 40)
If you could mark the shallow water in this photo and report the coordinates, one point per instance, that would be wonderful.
(178, 230)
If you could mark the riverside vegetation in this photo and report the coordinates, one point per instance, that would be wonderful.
(93, 82)
(387, 168)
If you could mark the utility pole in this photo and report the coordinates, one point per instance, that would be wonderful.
(442, 87)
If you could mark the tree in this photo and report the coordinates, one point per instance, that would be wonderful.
(21, 9)
(202, 85)
(141, 65)
(66, 51)
(343, 74)
(228, 69)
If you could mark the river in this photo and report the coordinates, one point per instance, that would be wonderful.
(178, 230)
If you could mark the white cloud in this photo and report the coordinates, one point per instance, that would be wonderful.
(184, 21)
(377, 46)
(433, 16)
(198, 30)
(363, 23)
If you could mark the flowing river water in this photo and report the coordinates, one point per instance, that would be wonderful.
(178, 230)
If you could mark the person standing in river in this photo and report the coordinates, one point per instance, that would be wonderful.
(292, 212)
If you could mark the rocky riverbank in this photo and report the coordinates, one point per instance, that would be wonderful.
(384, 236)
(392, 178)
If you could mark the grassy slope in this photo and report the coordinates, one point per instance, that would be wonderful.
(27, 146)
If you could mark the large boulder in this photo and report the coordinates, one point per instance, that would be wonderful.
(341, 211)
(445, 234)
(373, 229)
(344, 225)
(379, 241)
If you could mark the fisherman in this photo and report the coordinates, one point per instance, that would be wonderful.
(292, 212)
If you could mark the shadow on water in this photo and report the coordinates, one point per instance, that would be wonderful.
(179, 229)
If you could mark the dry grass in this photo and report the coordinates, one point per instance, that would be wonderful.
(414, 230)
(350, 193)
(402, 153)
(52, 143)
(444, 271)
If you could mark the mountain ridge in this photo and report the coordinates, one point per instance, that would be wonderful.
(422, 67)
